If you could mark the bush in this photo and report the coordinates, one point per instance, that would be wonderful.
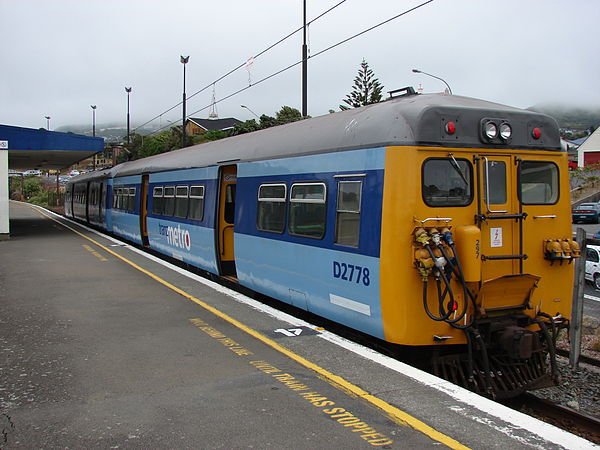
(41, 199)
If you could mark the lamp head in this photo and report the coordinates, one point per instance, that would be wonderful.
(127, 89)
(184, 59)
(416, 71)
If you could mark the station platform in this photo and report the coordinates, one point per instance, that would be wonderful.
(104, 346)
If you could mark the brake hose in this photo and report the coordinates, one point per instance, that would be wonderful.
(443, 276)
(551, 349)
(426, 306)
(552, 325)
(450, 292)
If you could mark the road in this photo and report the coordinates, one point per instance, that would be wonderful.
(591, 306)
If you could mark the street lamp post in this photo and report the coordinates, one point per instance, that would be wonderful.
(93, 120)
(128, 90)
(244, 106)
(47, 122)
(93, 133)
(433, 76)
(184, 60)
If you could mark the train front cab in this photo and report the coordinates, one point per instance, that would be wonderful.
(500, 309)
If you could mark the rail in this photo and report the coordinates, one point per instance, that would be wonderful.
(563, 417)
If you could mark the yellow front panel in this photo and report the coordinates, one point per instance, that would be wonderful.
(404, 318)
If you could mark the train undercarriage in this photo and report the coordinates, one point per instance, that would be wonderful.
(503, 358)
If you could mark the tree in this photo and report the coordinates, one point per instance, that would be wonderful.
(32, 187)
(207, 136)
(288, 114)
(366, 89)
(245, 127)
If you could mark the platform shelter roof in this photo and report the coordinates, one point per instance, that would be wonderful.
(30, 148)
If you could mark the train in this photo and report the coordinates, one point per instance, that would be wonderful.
(433, 222)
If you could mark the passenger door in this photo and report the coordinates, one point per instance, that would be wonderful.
(226, 220)
(144, 210)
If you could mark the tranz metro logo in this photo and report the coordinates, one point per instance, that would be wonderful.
(176, 237)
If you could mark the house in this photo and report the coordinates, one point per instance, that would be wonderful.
(589, 152)
(196, 126)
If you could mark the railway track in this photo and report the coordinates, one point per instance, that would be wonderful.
(563, 417)
(582, 358)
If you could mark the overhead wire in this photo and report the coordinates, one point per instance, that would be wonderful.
(313, 56)
(238, 67)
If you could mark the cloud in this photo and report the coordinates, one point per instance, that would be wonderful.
(65, 55)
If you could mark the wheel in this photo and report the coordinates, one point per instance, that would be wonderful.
(597, 281)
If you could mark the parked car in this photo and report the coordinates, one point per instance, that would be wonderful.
(35, 173)
(586, 212)
(592, 265)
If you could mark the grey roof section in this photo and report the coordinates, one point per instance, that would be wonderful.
(406, 120)
(90, 176)
(215, 124)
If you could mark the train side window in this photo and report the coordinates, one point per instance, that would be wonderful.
(447, 182)
(271, 207)
(119, 198)
(92, 195)
(348, 213)
(538, 183)
(308, 211)
(131, 199)
(229, 208)
(196, 203)
(157, 200)
(181, 201)
(495, 173)
(169, 201)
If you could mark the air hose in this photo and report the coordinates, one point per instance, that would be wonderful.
(551, 350)
(449, 290)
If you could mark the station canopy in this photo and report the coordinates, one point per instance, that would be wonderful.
(29, 148)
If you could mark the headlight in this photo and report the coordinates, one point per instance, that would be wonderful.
(490, 130)
(505, 131)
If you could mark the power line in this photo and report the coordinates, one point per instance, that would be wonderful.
(315, 55)
(239, 67)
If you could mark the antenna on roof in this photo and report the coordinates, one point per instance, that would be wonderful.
(213, 107)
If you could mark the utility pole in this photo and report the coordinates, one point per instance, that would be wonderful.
(93, 135)
(128, 90)
(304, 68)
(184, 61)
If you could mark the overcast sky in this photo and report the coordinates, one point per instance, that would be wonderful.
(58, 57)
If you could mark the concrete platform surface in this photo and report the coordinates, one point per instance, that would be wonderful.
(102, 346)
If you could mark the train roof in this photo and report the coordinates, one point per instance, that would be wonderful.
(401, 121)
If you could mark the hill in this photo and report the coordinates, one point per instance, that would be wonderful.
(110, 132)
(570, 118)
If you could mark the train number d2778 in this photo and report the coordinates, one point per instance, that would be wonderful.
(351, 273)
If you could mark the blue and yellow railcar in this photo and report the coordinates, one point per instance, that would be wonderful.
(430, 221)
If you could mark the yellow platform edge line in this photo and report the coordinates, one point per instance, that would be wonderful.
(394, 413)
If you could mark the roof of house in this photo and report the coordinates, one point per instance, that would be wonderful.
(592, 143)
(578, 141)
(215, 124)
